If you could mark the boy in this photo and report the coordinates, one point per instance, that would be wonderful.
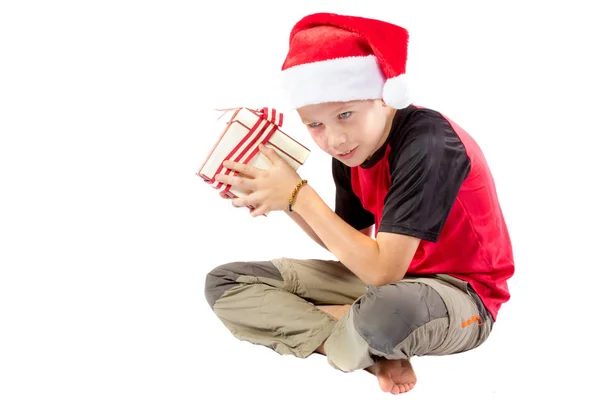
(432, 280)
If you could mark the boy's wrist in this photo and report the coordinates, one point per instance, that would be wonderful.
(302, 199)
(292, 199)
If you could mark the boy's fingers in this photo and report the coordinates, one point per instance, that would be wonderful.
(237, 181)
(259, 211)
(242, 168)
(238, 202)
(270, 154)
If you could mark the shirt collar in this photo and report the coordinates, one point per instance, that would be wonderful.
(399, 117)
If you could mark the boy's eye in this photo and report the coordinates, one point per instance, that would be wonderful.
(314, 124)
(345, 115)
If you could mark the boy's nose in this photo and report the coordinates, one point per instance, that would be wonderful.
(336, 139)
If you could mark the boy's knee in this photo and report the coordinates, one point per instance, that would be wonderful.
(225, 277)
(219, 280)
(385, 316)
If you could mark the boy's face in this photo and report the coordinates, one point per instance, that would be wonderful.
(349, 131)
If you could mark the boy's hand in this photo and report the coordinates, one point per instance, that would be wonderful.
(270, 189)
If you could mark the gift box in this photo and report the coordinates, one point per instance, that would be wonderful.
(244, 130)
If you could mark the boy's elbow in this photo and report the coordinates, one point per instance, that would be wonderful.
(381, 281)
(386, 277)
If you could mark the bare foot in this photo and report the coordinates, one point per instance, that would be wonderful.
(395, 376)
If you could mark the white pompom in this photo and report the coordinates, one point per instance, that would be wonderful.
(396, 92)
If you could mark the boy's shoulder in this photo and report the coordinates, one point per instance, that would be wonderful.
(417, 120)
(415, 133)
(414, 128)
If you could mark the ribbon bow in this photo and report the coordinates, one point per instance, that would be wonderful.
(272, 115)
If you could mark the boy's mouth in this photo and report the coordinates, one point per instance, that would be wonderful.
(347, 154)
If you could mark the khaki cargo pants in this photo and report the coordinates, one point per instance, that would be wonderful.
(273, 303)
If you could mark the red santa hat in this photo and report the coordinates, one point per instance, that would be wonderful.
(335, 58)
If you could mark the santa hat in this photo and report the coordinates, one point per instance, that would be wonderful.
(337, 58)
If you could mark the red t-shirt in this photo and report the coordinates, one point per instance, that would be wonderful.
(431, 180)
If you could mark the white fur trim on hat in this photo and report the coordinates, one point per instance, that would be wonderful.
(340, 79)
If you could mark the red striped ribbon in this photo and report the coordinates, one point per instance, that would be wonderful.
(267, 124)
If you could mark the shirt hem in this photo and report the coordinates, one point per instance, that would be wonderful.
(425, 235)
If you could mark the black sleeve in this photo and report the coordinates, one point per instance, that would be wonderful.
(427, 167)
(347, 204)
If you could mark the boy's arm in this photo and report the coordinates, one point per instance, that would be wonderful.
(310, 232)
(427, 168)
(377, 262)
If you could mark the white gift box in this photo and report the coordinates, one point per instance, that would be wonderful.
(244, 130)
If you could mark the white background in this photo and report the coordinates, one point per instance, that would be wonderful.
(106, 233)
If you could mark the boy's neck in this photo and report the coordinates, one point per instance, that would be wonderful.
(388, 128)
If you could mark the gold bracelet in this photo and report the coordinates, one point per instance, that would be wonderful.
(294, 193)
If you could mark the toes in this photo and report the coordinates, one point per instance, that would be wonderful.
(406, 387)
(396, 389)
(385, 383)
